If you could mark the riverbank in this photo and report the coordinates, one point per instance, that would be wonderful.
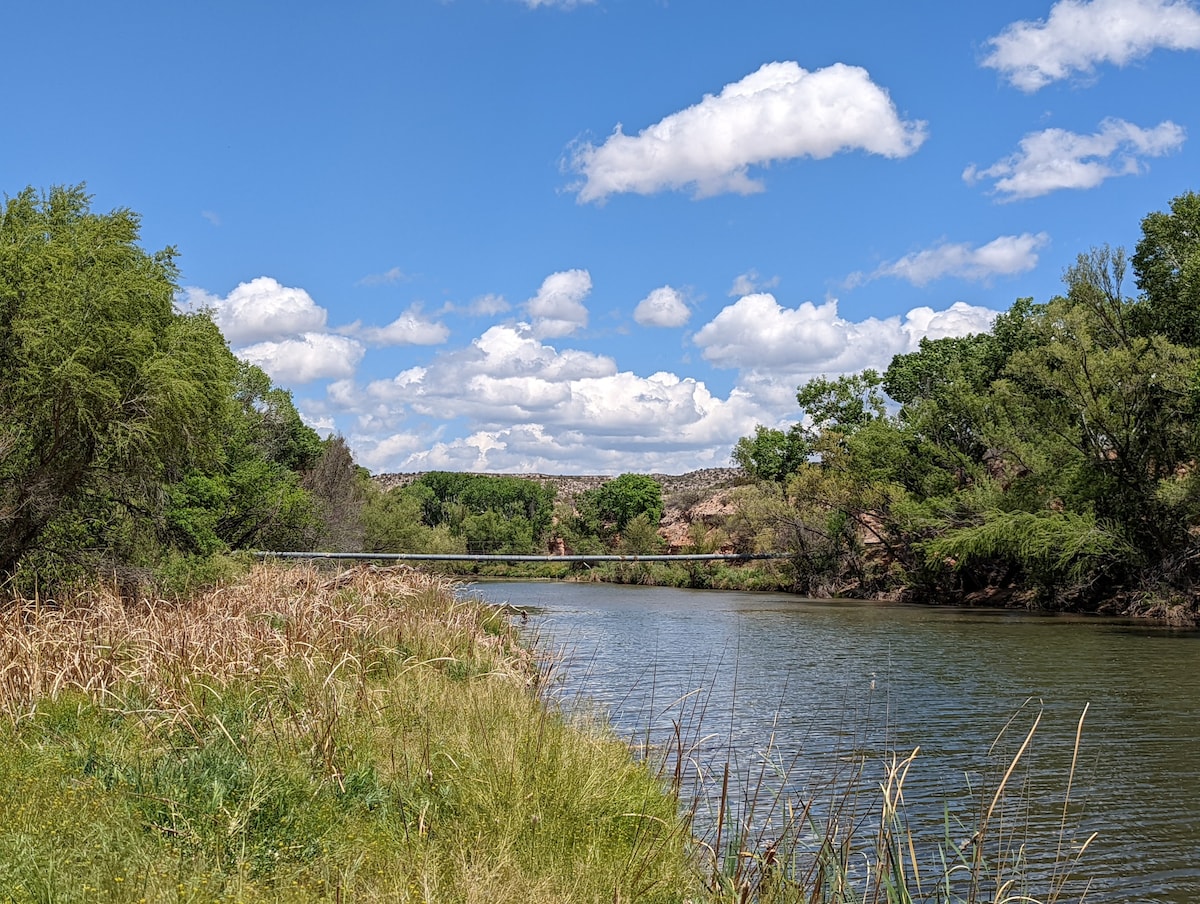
(301, 737)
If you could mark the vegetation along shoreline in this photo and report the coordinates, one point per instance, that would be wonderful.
(1049, 463)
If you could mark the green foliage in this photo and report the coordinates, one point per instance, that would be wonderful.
(640, 537)
(129, 433)
(450, 512)
(104, 389)
(843, 404)
(617, 502)
(771, 454)
(392, 522)
(1055, 452)
(1052, 549)
(1167, 264)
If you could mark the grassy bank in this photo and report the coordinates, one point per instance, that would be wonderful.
(297, 738)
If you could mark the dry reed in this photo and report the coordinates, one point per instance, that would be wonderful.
(274, 621)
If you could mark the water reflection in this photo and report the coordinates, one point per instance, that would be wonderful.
(829, 687)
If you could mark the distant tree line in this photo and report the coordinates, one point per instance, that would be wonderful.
(445, 512)
(1054, 459)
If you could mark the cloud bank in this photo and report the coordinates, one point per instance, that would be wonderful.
(519, 403)
(780, 112)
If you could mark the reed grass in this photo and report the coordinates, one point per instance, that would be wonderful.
(851, 839)
(300, 738)
(371, 736)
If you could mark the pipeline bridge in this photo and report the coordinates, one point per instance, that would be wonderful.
(504, 558)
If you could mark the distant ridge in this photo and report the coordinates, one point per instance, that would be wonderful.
(571, 485)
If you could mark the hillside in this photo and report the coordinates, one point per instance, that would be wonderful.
(705, 481)
(697, 497)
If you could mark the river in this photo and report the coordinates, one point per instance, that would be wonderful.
(827, 691)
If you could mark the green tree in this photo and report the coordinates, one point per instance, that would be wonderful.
(1167, 264)
(843, 404)
(617, 502)
(105, 390)
(771, 454)
(339, 490)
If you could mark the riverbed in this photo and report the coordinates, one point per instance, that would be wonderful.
(813, 698)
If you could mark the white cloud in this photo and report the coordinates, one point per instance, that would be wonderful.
(312, 356)
(1003, 256)
(530, 406)
(778, 347)
(1077, 35)
(561, 4)
(750, 282)
(558, 309)
(262, 309)
(394, 275)
(511, 402)
(779, 112)
(664, 306)
(1053, 159)
(487, 306)
(212, 216)
(410, 328)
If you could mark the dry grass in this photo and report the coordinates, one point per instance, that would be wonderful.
(371, 737)
(294, 737)
(272, 622)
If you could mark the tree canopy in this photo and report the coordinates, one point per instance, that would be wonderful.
(1054, 456)
(128, 430)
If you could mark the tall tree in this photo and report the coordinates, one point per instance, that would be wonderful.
(1167, 264)
(104, 387)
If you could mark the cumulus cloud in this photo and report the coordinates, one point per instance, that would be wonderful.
(530, 406)
(558, 309)
(410, 328)
(1007, 255)
(759, 336)
(511, 401)
(780, 112)
(1078, 35)
(311, 356)
(263, 309)
(750, 282)
(664, 306)
(1052, 159)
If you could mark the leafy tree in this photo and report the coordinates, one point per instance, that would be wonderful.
(615, 503)
(339, 490)
(843, 404)
(641, 537)
(253, 495)
(392, 522)
(105, 391)
(771, 454)
(1167, 264)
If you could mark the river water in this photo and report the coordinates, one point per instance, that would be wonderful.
(812, 699)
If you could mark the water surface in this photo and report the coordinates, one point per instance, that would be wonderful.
(825, 689)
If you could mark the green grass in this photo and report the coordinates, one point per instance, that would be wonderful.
(293, 737)
(285, 740)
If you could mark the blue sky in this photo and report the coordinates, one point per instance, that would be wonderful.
(595, 237)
